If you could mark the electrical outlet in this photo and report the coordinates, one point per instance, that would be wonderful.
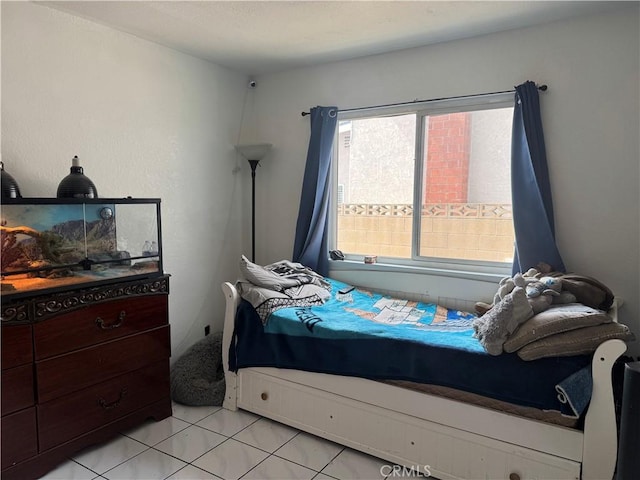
(207, 330)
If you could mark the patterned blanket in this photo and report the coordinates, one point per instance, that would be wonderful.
(364, 314)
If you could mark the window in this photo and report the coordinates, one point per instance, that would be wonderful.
(460, 186)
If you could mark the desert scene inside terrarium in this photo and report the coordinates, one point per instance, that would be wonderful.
(51, 245)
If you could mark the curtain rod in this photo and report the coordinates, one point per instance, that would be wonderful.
(542, 88)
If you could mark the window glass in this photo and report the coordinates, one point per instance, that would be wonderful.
(460, 185)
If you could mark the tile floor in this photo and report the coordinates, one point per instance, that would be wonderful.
(213, 443)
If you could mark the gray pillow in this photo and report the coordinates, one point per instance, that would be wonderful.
(576, 342)
(262, 277)
(556, 319)
(197, 377)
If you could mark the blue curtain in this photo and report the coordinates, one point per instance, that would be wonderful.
(310, 247)
(531, 192)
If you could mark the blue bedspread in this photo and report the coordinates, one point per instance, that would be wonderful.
(365, 334)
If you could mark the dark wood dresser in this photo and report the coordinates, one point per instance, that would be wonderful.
(78, 367)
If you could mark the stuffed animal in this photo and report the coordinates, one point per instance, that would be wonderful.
(545, 286)
(526, 294)
(494, 327)
(507, 285)
(565, 297)
(545, 292)
(540, 303)
(540, 291)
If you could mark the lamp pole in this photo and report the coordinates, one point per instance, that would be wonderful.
(253, 153)
(253, 164)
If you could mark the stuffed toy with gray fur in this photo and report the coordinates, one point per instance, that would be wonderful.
(197, 377)
(494, 327)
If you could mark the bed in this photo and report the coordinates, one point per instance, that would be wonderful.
(428, 432)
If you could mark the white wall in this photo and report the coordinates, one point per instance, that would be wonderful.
(590, 114)
(146, 121)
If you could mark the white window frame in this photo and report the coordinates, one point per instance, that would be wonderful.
(459, 268)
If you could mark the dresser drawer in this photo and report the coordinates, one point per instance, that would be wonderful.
(16, 345)
(99, 323)
(98, 405)
(19, 436)
(82, 368)
(17, 388)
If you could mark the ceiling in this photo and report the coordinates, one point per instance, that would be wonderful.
(257, 37)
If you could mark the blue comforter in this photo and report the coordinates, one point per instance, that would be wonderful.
(366, 334)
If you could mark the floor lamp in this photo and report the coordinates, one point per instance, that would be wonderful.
(253, 153)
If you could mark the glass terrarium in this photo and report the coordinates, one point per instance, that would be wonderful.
(61, 243)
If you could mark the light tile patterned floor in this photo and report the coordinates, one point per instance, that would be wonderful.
(213, 443)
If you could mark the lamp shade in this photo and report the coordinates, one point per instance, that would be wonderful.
(255, 151)
(10, 187)
(76, 184)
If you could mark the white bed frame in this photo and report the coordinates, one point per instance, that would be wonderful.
(445, 438)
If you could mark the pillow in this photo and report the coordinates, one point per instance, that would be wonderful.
(197, 377)
(262, 277)
(556, 319)
(576, 342)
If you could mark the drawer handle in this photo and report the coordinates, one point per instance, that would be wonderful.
(514, 476)
(109, 406)
(100, 323)
(264, 395)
